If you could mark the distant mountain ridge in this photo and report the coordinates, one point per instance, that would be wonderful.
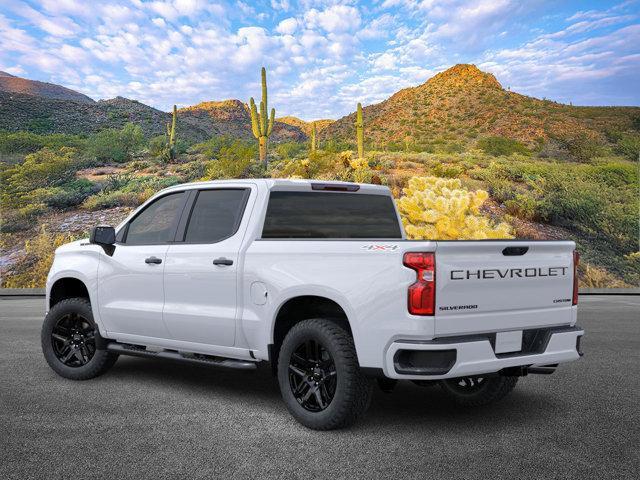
(48, 108)
(12, 84)
(458, 105)
(464, 103)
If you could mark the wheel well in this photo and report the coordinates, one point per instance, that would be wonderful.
(67, 288)
(302, 308)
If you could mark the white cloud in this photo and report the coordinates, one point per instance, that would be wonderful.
(56, 26)
(335, 19)
(287, 26)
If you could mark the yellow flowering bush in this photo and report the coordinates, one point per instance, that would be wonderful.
(441, 209)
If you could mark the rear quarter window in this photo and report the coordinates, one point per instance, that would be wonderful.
(330, 215)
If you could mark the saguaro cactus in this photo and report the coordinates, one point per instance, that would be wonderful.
(171, 135)
(360, 132)
(260, 124)
(314, 138)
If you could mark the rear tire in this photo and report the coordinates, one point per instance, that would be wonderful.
(320, 379)
(477, 391)
(70, 341)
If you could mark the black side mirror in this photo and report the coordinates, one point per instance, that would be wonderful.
(103, 235)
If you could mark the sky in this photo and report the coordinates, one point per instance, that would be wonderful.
(322, 57)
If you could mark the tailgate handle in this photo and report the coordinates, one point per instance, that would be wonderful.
(514, 251)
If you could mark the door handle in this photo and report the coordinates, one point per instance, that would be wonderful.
(222, 261)
(155, 260)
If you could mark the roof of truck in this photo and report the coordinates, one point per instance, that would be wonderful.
(287, 184)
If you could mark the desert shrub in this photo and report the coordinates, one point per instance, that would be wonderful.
(191, 171)
(67, 195)
(447, 171)
(599, 201)
(232, 160)
(39, 257)
(523, 206)
(43, 169)
(582, 146)
(116, 145)
(594, 277)
(23, 218)
(115, 199)
(28, 142)
(289, 150)
(40, 125)
(319, 164)
(629, 146)
(213, 147)
(157, 145)
(498, 146)
(437, 208)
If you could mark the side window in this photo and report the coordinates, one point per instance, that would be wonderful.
(216, 215)
(156, 223)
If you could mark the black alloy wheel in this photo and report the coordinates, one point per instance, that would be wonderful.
(312, 376)
(467, 385)
(73, 340)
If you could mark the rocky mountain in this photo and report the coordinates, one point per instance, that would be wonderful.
(47, 108)
(232, 118)
(16, 85)
(463, 103)
(305, 126)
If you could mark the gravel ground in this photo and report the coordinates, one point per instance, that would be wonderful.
(157, 419)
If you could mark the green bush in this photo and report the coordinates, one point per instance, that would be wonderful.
(629, 146)
(68, 195)
(523, 206)
(498, 146)
(44, 169)
(581, 146)
(289, 150)
(232, 160)
(116, 145)
(447, 171)
(157, 145)
(113, 199)
(28, 142)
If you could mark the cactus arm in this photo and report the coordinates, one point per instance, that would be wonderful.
(360, 132)
(271, 120)
(172, 137)
(254, 118)
(263, 74)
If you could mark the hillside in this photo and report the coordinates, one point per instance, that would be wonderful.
(305, 126)
(464, 103)
(16, 85)
(19, 111)
(232, 118)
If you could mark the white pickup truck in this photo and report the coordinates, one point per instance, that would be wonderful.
(319, 280)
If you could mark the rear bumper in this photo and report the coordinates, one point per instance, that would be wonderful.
(451, 357)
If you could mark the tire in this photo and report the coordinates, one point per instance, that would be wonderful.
(318, 360)
(70, 341)
(477, 391)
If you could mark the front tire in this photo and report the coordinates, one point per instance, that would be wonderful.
(320, 378)
(70, 341)
(477, 391)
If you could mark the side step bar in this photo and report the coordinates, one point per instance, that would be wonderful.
(525, 370)
(193, 358)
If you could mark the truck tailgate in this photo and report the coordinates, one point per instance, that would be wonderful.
(503, 285)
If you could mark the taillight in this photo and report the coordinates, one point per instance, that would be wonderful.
(576, 260)
(422, 294)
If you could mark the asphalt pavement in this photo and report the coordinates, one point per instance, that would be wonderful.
(158, 419)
